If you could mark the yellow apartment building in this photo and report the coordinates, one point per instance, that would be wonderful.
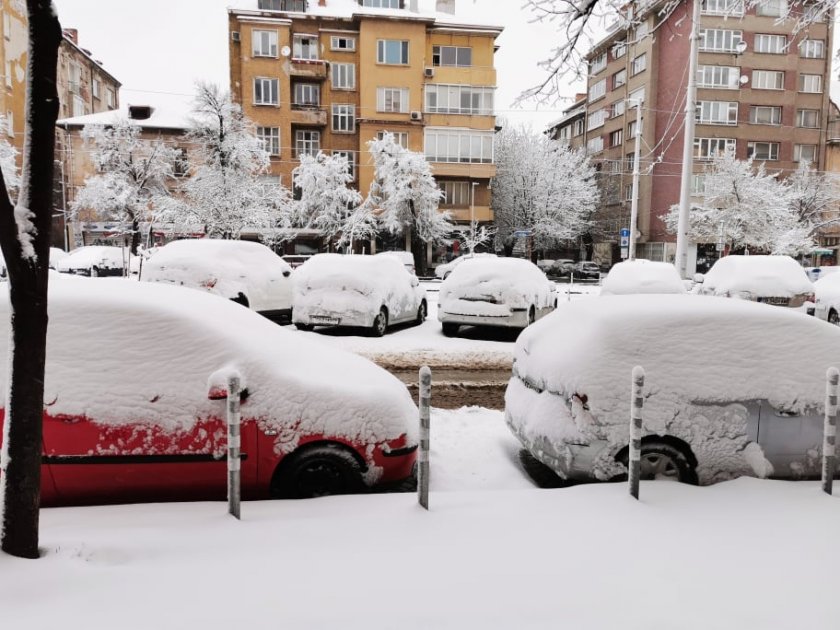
(13, 60)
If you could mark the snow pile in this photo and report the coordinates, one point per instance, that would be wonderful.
(642, 276)
(756, 276)
(703, 357)
(88, 257)
(494, 287)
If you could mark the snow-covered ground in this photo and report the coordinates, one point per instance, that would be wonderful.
(493, 552)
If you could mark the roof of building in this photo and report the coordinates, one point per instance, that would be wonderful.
(167, 112)
(573, 111)
(68, 41)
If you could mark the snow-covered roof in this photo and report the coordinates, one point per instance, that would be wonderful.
(167, 112)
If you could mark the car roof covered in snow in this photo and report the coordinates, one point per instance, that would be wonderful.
(776, 276)
(642, 276)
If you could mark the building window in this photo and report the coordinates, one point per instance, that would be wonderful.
(719, 40)
(393, 100)
(765, 115)
(598, 63)
(631, 129)
(596, 119)
(381, 4)
(78, 105)
(459, 99)
(771, 44)
(708, 148)
(307, 95)
(455, 193)
(613, 166)
(628, 192)
(10, 124)
(635, 97)
(768, 80)
(458, 56)
(282, 5)
(805, 153)
(350, 156)
(718, 77)
(597, 90)
(619, 50)
(307, 142)
(110, 98)
(812, 49)
(96, 87)
(808, 118)
(264, 43)
(722, 7)
(717, 112)
(344, 118)
(181, 164)
(639, 64)
(642, 31)
(75, 80)
(400, 137)
(564, 134)
(617, 137)
(618, 108)
(7, 25)
(619, 79)
(459, 145)
(595, 145)
(771, 8)
(8, 73)
(269, 137)
(392, 52)
(341, 43)
(305, 47)
(266, 91)
(763, 150)
(698, 184)
(810, 83)
(343, 76)
(578, 127)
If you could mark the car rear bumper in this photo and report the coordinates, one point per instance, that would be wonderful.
(516, 319)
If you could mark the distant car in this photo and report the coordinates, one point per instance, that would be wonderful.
(372, 292)
(443, 271)
(586, 270)
(561, 267)
(776, 280)
(406, 258)
(817, 273)
(296, 260)
(245, 272)
(96, 261)
(145, 421)
(732, 388)
(642, 276)
(827, 302)
(506, 292)
(545, 264)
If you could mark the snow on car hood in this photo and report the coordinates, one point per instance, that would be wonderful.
(511, 282)
(770, 276)
(125, 352)
(642, 276)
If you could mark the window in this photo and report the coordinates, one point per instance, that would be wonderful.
(812, 49)
(264, 43)
(78, 105)
(459, 145)
(619, 79)
(577, 127)
(617, 137)
(771, 8)
(810, 83)
(110, 98)
(642, 31)
(639, 64)
(718, 77)
(181, 165)
(765, 115)
(768, 80)
(400, 137)
(96, 87)
(270, 139)
(597, 90)
(344, 118)
(619, 50)
(808, 118)
(343, 76)
(305, 47)
(459, 99)
(595, 145)
(636, 96)
(805, 153)
(564, 133)
(351, 161)
(457, 56)
(618, 108)
(339, 43)
(698, 184)
(266, 91)
(717, 112)
(307, 142)
(719, 40)
(455, 193)
(707, 148)
(7, 25)
(596, 119)
(772, 44)
(393, 100)
(722, 7)
(631, 129)
(307, 95)
(628, 192)
(614, 166)
(8, 73)
(282, 5)
(381, 4)
(75, 81)
(10, 124)
(392, 52)
(598, 63)
(763, 150)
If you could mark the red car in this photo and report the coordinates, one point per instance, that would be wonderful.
(133, 411)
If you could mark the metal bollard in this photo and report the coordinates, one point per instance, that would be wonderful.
(423, 455)
(829, 462)
(234, 443)
(634, 466)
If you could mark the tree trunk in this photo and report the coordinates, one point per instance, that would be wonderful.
(21, 463)
(135, 235)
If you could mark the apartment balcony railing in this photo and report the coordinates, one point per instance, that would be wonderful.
(309, 115)
(308, 68)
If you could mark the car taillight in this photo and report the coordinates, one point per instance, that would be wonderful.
(209, 283)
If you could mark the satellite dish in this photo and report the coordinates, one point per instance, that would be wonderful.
(285, 51)
(744, 79)
(741, 47)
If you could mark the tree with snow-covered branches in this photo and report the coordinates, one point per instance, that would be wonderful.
(408, 196)
(134, 176)
(816, 197)
(543, 186)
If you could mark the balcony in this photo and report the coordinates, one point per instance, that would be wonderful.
(460, 214)
(833, 132)
(463, 169)
(309, 115)
(308, 69)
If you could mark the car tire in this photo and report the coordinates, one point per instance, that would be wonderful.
(833, 317)
(94, 272)
(304, 327)
(422, 311)
(380, 323)
(661, 460)
(539, 473)
(319, 471)
(450, 330)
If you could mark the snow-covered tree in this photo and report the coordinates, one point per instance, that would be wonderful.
(541, 185)
(133, 177)
(816, 197)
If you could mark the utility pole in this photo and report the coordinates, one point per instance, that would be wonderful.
(472, 217)
(634, 204)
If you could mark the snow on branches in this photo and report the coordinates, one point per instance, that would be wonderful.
(326, 202)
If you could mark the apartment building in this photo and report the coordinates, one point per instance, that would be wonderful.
(331, 75)
(13, 57)
(571, 126)
(761, 89)
(84, 86)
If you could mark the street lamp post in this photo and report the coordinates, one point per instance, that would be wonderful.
(472, 217)
(634, 204)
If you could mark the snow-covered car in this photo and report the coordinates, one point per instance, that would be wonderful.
(642, 276)
(443, 271)
(545, 264)
(144, 419)
(96, 261)
(507, 292)
(245, 272)
(586, 270)
(732, 388)
(817, 273)
(406, 258)
(777, 280)
(827, 302)
(372, 292)
(562, 267)
(56, 255)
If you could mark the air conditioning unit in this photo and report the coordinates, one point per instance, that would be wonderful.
(429, 72)
(416, 115)
(234, 36)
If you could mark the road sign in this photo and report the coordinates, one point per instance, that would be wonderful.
(624, 238)
(625, 252)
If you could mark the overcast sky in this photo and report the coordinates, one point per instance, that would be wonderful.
(167, 45)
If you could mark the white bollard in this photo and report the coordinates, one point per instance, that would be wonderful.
(829, 462)
(234, 443)
(634, 466)
(425, 424)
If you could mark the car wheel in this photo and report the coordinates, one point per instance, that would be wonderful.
(380, 323)
(304, 327)
(421, 313)
(94, 272)
(319, 471)
(660, 460)
(450, 330)
(833, 317)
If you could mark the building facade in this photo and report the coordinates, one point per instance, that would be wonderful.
(84, 86)
(13, 57)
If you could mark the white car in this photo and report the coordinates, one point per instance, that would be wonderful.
(245, 272)
(443, 271)
(732, 388)
(372, 292)
(96, 261)
(406, 258)
(642, 276)
(56, 255)
(776, 280)
(506, 292)
(827, 303)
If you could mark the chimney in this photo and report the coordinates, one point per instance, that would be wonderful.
(72, 34)
(446, 6)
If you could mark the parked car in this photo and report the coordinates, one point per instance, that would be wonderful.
(296, 260)
(777, 280)
(507, 292)
(586, 270)
(732, 388)
(406, 258)
(561, 268)
(144, 419)
(545, 264)
(827, 302)
(55, 255)
(372, 292)
(245, 272)
(443, 271)
(96, 261)
(642, 276)
(817, 273)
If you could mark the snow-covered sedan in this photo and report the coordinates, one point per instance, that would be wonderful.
(135, 409)
(443, 271)
(827, 303)
(732, 388)
(372, 292)
(642, 276)
(506, 292)
(777, 280)
(245, 272)
(96, 261)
